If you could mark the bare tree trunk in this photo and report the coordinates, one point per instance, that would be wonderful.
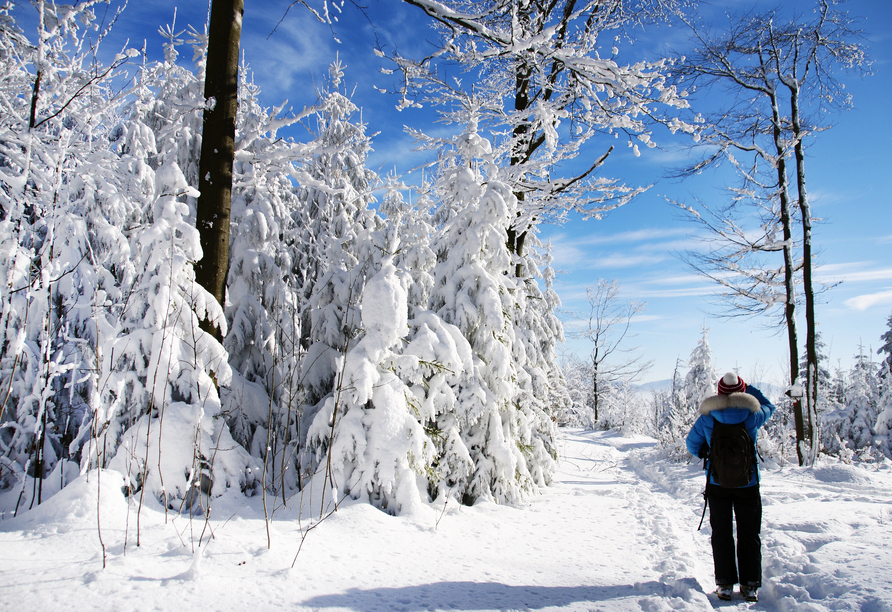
(218, 148)
(789, 268)
(811, 351)
(521, 152)
(595, 390)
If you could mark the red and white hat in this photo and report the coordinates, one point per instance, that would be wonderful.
(731, 383)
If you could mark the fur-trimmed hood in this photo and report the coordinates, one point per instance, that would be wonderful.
(734, 400)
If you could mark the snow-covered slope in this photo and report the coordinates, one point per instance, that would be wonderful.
(617, 533)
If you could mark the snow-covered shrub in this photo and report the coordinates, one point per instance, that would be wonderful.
(64, 261)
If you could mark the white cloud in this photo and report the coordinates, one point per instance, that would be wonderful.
(621, 260)
(853, 272)
(869, 300)
(642, 235)
(680, 292)
(647, 318)
(292, 62)
(683, 279)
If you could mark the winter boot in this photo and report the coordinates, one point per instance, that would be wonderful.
(749, 593)
(724, 591)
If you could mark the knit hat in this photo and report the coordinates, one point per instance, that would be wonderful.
(731, 383)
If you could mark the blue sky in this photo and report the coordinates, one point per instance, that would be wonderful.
(848, 170)
(848, 167)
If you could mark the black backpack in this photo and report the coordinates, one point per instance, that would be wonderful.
(732, 455)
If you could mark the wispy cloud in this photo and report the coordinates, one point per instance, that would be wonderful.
(681, 292)
(869, 300)
(292, 63)
(653, 234)
(642, 249)
(853, 272)
(647, 318)
(684, 279)
(622, 260)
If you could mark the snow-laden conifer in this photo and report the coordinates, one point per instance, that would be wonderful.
(263, 342)
(886, 347)
(367, 434)
(700, 381)
(680, 405)
(339, 246)
(413, 225)
(883, 427)
(851, 428)
(160, 416)
(178, 446)
(472, 292)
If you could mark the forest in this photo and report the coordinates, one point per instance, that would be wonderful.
(263, 313)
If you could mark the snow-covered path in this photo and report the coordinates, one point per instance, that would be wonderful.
(616, 533)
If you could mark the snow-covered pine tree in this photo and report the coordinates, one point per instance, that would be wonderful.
(886, 349)
(825, 379)
(884, 420)
(178, 447)
(671, 410)
(471, 291)
(558, 397)
(699, 382)
(263, 401)
(883, 427)
(436, 363)
(681, 405)
(371, 444)
(851, 428)
(413, 227)
(837, 393)
(340, 246)
(537, 332)
(161, 406)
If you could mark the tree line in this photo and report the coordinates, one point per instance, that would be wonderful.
(854, 418)
(194, 298)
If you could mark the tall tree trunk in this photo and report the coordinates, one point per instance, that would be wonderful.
(218, 148)
(519, 155)
(811, 351)
(595, 390)
(789, 269)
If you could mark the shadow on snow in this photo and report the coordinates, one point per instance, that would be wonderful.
(480, 596)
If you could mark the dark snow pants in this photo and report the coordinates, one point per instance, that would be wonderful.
(746, 505)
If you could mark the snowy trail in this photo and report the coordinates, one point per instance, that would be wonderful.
(616, 533)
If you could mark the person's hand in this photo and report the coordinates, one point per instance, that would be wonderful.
(703, 453)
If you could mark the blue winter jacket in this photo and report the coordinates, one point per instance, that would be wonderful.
(751, 407)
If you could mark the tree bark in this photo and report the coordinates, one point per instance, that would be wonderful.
(595, 390)
(811, 349)
(218, 149)
(789, 268)
(520, 154)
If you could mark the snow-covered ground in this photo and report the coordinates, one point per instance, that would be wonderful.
(618, 532)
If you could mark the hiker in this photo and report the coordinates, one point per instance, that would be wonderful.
(732, 481)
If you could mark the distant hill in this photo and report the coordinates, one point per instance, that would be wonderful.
(655, 385)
